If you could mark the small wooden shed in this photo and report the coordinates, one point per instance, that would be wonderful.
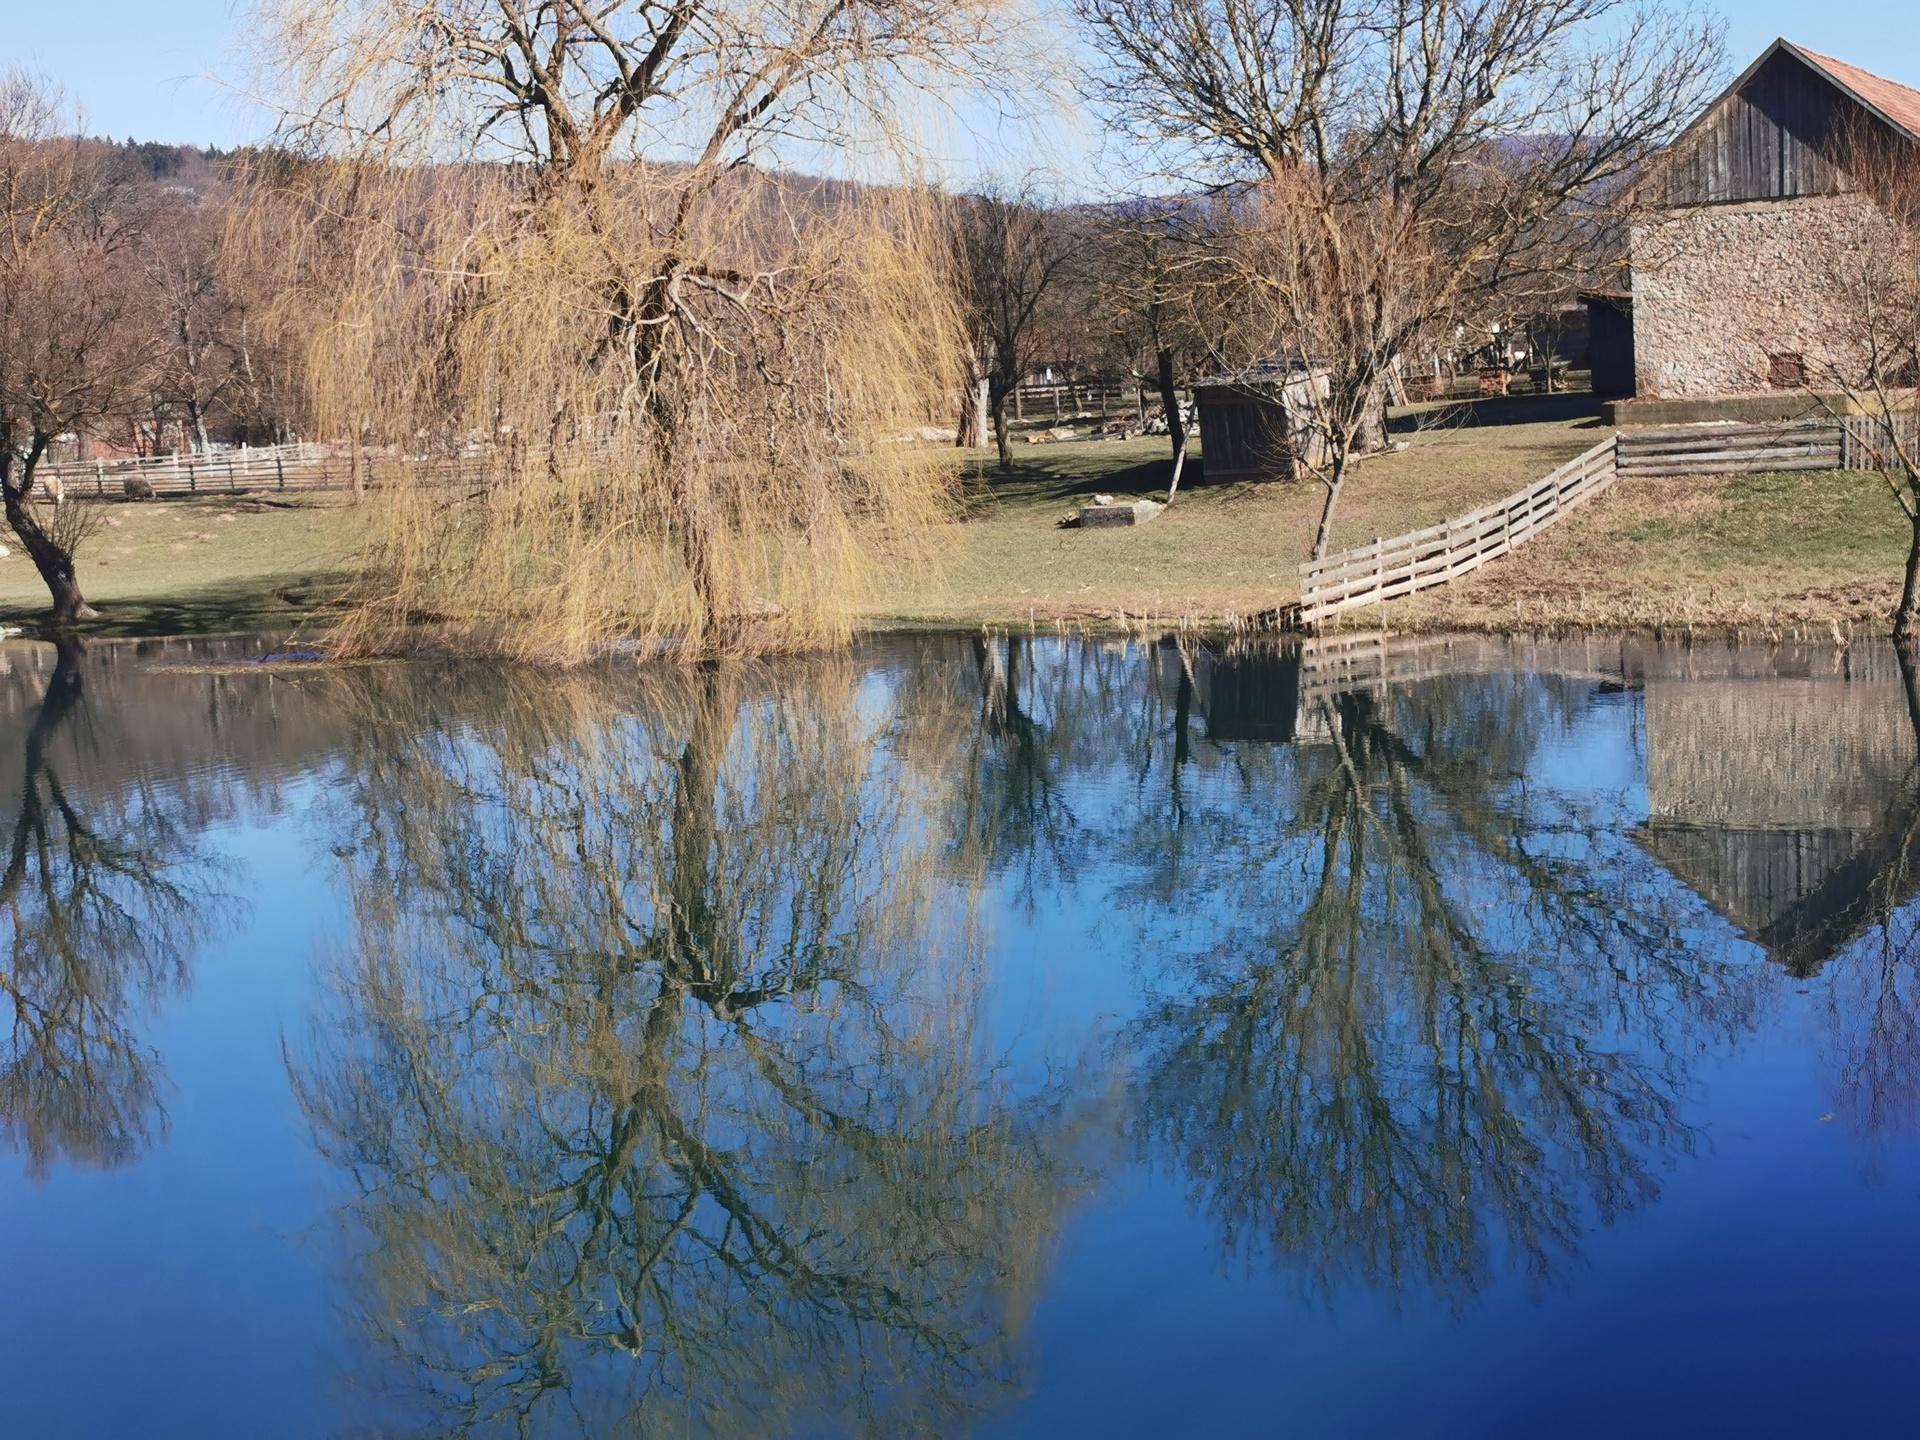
(1260, 425)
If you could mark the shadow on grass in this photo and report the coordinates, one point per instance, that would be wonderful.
(1073, 470)
(260, 603)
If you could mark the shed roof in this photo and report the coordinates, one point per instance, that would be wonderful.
(1895, 103)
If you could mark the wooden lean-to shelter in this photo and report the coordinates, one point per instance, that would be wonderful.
(1261, 424)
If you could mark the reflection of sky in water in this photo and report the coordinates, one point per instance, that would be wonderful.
(1731, 1245)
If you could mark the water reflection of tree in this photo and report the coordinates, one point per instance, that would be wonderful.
(1412, 1016)
(1019, 729)
(101, 902)
(1875, 997)
(664, 1104)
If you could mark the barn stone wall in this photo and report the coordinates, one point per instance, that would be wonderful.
(1720, 290)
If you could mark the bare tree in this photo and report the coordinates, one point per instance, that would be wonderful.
(1875, 364)
(1010, 254)
(103, 899)
(1155, 285)
(200, 369)
(73, 346)
(1418, 157)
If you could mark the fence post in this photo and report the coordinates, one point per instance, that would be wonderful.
(193, 481)
(99, 481)
(280, 469)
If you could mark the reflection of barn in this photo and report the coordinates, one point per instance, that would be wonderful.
(1780, 802)
(1260, 425)
(1783, 782)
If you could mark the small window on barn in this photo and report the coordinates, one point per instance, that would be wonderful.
(1787, 370)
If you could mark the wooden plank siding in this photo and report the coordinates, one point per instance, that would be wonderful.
(1242, 436)
(1769, 138)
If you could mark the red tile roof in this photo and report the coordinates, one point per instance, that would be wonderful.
(1896, 102)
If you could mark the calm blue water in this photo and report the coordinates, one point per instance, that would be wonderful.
(967, 1036)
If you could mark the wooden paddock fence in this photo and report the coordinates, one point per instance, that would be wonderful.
(1732, 449)
(1061, 401)
(245, 469)
(273, 467)
(1389, 569)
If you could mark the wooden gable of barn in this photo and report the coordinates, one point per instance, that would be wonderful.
(1772, 136)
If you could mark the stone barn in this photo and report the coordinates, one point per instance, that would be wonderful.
(1739, 228)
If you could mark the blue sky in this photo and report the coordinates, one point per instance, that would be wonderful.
(149, 68)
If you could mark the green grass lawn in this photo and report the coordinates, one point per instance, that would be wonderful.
(1221, 552)
(201, 565)
(1723, 552)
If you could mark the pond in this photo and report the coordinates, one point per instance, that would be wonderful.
(968, 1035)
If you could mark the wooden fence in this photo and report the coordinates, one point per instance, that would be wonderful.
(1062, 401)
(1872, 442)
(1389, 569)
(275, 468)
(1732, 449)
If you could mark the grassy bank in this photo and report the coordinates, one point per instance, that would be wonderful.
(201, 565)
(1757, 553)
(1222, 552)
(1768, 554)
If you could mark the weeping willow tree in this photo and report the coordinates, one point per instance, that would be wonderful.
(532, 235)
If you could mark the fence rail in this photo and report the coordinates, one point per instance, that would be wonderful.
(1732, 449)
(1061, 401)
(278, 467)
(1875, 441)
(274, 467)
(1389, 569)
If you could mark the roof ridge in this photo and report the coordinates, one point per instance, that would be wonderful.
(1896, 103)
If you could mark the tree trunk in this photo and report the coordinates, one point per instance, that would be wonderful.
(1373, 428)
(1906, 620)
(54, 564)
(201, 440)
(1323, 536)
(1179, 464)
(715, 581)
(997, 405)
(1170, 404)
(971, 433)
